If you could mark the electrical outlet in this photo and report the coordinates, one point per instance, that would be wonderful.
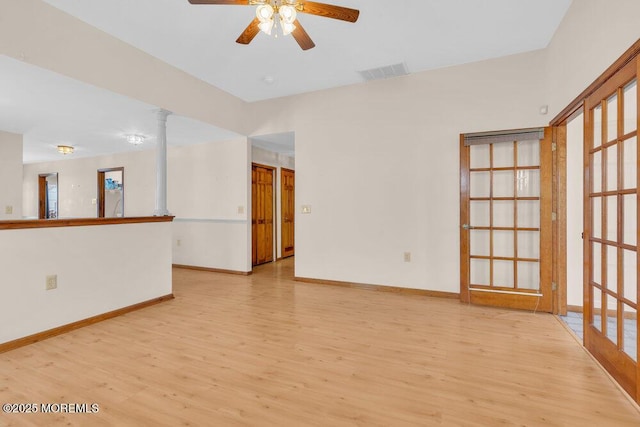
(94, 201)
(407, 257)
(178, 242)
(240, 209)
(306, 209)
(52, 282)
(8, 210)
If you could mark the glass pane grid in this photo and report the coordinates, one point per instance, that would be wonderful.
(597, 126)
(511, 171)
(612, 117)
(630, 97)
(614, 217)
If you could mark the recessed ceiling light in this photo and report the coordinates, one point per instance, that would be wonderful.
(269, 80)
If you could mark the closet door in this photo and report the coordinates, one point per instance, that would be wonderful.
(288, 211)
(262, 213)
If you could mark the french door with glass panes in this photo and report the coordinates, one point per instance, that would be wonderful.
(506, 219)
(611, 227)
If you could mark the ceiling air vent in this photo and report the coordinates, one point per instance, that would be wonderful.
(394, 70)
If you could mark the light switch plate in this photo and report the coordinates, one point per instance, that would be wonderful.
(306, 209)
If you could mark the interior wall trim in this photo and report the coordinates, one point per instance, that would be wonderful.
(212, 220)
(380, 288)
(40, 336)
(212, 270)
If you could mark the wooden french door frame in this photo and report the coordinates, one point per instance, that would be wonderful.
(606, 300)
(610, 354)
(287, 212)
(262, 213)
(489, 293)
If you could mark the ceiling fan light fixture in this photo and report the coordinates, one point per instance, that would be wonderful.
(264, 12)
(287, 28)
(266, 27)
(287, 14)
(287, 11)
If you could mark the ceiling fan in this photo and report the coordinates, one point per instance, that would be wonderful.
(283, 13)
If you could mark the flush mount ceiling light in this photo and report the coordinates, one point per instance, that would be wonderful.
(283, 14)
(65, 149)
(135, 139)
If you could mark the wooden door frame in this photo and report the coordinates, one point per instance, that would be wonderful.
(101, 194)
(273, 204)
(43, 196)
(282, 218)
(559, 209)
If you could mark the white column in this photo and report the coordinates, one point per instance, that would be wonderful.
(161, 165)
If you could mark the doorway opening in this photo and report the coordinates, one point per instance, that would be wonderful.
(277, 153)
(48, 196)
(111, 193)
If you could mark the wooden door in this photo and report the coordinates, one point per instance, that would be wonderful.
(262, 214)
(506, 219)
(611, 287)
(287, 179)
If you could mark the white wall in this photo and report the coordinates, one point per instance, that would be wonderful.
(209, 195)
(99, 269)
(278, 161)
(10, 175)
(78, 184)
(206, 190)
(592, 35)
(379, 165)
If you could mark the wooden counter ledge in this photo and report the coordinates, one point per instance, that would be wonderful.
(78, 222)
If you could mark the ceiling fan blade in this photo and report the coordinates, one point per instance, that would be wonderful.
(249, 33)
(330, 11)
(238, 2)
(302, 37)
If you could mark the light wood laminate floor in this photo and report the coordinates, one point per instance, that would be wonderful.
(265, 350)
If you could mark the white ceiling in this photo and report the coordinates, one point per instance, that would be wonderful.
(281, 143)
(50, 109)
(424, 34)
